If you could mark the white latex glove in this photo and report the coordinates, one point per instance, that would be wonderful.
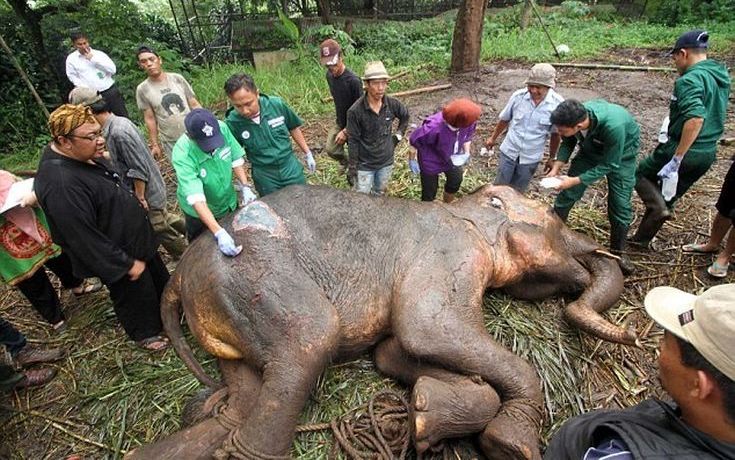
(247, 194)
(226, 243)
(310, 163)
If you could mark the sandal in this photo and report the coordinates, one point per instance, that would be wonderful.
(155, 343)
(87, 287)
(695, 248)
(717, 270)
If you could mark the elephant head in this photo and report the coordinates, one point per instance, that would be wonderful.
(536, 255)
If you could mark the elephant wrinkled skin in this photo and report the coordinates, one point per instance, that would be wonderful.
(326, 274)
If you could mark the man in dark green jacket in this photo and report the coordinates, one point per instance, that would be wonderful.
(608, 138)
(697, 114)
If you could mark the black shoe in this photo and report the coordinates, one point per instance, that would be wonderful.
(618, 234)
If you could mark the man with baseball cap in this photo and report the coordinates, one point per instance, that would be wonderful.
(696, 368)
(526, 117)
(697, 112)
(204, 159)
(370, 135)
(345, 88)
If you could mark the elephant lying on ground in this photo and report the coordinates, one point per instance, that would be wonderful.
(327, 274)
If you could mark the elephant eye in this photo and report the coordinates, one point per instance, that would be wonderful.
(496, 203)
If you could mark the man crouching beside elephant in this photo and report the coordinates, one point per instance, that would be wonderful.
(305, 293)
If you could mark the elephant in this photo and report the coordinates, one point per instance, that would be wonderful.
(326, 275)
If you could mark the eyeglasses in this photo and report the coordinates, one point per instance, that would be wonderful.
(90, 137)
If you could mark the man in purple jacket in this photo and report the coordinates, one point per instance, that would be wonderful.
(443, 146)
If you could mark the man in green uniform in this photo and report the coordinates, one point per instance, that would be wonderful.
(205, 158)
(696, 120)
(264, 126)
(608, 138)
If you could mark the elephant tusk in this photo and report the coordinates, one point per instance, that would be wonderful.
(607, 254)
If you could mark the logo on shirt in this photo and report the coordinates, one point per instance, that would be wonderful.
(276, 122)
(203, 173)
(245, 135)
(208, 130)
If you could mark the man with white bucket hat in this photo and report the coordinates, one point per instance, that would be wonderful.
(696, 368)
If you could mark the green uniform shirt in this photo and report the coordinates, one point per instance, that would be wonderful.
(21, 255)
(701, 92)
(268, 144)
(206, 177)
(611, 141)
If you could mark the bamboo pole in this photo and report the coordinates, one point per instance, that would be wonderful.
(425, 89)
(543, 26)
(23, 76)
(583, 65)
(393, 77)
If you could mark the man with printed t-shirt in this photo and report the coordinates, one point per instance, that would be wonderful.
(205, 159)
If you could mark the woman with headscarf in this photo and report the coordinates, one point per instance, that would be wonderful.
(25, 248)
(443, 146)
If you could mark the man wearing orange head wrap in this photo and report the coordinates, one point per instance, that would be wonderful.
(443, 146)
(100, 224)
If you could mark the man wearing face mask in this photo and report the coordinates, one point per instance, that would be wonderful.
(205, 159)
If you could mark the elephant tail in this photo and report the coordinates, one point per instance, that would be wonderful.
(171, 318)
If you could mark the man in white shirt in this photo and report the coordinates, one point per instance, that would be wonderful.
(90, 68)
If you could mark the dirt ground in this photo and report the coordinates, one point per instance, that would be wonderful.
(607, 367)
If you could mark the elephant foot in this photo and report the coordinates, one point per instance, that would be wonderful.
(442, 410)
(513, 433)
(201, 406)
(198, 442)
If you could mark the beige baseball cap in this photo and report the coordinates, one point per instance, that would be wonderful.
(81, 95)
(706, 321)
(542, 74)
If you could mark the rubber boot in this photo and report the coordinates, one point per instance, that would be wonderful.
(618, 234)
(656, 212)
(563, 213)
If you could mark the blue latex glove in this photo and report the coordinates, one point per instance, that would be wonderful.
(414, 166)
(226, 243)
(310, 163)
(670, 167)
(247, 194)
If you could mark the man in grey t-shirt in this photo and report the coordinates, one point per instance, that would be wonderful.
(137, 168)
(165, 98)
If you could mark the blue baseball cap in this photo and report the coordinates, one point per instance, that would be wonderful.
(692, 39)
(202, 126)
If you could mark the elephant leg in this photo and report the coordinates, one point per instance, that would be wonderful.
(443, 324)
(443, 404)
(200, 441)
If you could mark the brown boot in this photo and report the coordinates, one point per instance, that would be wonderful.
(31, 355)
(36, 378)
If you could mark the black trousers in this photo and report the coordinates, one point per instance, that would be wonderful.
(11, 337)
(194, 227)
(137, 304)
(430, 183)
(41, 293)
(115, 101)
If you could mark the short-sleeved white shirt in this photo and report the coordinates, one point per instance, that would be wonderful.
(529, 126)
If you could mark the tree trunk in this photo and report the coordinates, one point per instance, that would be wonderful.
(526, 14)
(324, 11)
(467, 40)
(32, 21)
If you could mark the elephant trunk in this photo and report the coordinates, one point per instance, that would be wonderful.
(604, 290)
(171, 319)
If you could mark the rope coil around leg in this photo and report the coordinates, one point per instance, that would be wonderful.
(223, 416)
(234, 448)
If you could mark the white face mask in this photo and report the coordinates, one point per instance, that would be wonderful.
(452, 127)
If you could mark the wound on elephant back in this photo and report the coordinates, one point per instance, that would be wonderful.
(258, 216)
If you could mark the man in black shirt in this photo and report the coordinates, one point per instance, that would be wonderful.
(100, 224)
(346, 88)
(370, 135)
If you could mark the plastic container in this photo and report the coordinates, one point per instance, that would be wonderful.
(668, 185)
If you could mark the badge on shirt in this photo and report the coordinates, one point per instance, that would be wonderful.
(276, 122)
(245, 135)
(203, 173)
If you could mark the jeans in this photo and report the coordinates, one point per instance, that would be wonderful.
(512, 172)
(375, 182)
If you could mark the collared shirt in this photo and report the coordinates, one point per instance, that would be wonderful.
(206, 177)
(95, 73)
(370, 134)
(529, 125)
(435, 143)
(612, 141)
(93, 217)
(267, 143)
(345, 90)
(130, 153)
